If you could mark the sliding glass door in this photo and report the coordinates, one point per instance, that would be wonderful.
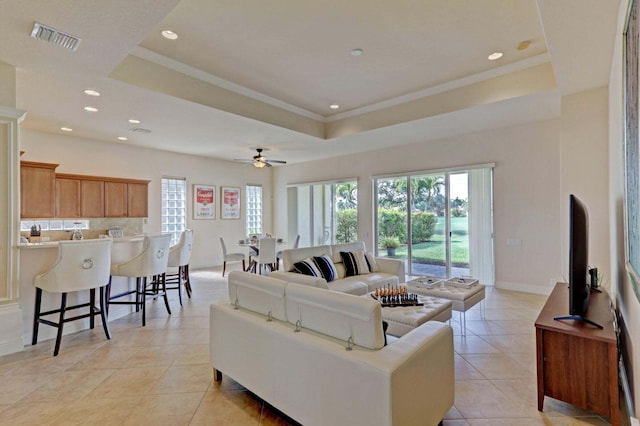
(425, 219)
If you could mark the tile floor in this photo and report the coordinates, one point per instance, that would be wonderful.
(160, 374)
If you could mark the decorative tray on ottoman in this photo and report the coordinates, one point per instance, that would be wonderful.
(463, 282)
(426, 282)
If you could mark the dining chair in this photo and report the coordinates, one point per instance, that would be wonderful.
(279, 255)
(230, 257)
(151, 262)
(179, 256)
(81, 265)
(266, 254)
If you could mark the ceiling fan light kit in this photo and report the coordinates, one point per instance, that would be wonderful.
(259, 161)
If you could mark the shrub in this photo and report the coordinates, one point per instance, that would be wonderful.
(423, 225)
(347, 226)
(392, 223)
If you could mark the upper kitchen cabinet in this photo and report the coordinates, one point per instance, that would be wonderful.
(37, 189)
(79, 196)
(126, 198)
(138, 199)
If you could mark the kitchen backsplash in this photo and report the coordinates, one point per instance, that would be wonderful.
(97, 227)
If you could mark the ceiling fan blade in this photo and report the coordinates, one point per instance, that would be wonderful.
(277, 161)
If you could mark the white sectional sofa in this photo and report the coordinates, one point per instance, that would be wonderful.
(287, 343)
(390, 271)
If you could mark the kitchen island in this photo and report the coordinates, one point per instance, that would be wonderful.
(36, 258)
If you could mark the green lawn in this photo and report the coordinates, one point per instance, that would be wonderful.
(433, 252)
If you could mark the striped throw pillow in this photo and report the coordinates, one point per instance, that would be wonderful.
(307, 267)
(354, 262)
(371, 262)
(326, 267)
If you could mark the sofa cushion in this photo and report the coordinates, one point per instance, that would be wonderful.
(354, 262)
(371, 262)
(258, 294)
(338, 315)
(373, 280)
(307, 267)
(326, 267)
(350, 286)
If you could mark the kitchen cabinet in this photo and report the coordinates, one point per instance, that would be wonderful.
(126, 198)
(137, 199)
(67, 197)
(79, 196)
(115, 199)
(37, 189)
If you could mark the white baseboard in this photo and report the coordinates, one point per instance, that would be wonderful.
(10, 329)
(524, 288)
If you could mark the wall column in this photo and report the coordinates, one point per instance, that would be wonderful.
(10, 313)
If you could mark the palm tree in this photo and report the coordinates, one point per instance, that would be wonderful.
(347, 195)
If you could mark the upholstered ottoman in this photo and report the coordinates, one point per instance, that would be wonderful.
(462, 298)
(402, 319)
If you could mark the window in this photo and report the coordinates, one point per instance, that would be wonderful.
(174, 207)
(323, 213)
(254, 209)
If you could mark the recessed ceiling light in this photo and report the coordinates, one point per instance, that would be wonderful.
(169, 34)
(357, 52)
(90, 109)
(134, 121)
(91, 92)
(495, 55)
(66, 129)
(123, 138)
(334, 106)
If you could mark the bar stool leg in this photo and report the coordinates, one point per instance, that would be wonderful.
(164, 289)
(187, 282)
(36, 316)
(92, 310)
(108, 294)
(144, 298)
(179, 284)
(63, 307)
(103, 314)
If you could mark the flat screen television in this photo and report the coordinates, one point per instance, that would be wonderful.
(579, 286)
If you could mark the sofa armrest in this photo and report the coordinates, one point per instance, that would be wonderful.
(392, 266)
(294, 277)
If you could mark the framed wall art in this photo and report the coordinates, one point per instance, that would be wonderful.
(230, 205)
(204, 201)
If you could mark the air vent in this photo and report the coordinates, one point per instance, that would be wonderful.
(54, 36)
(141, 130)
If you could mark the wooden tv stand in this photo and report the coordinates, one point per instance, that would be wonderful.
(578, 363)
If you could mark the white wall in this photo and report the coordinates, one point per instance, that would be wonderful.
(532, 180)
(88, 157)
(627, 302)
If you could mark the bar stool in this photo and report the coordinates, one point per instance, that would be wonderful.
(152, 261)
(179, 255)
(81, 265)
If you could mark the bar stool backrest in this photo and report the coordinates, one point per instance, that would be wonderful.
(180, 253)
(81, 265)
(152, 261)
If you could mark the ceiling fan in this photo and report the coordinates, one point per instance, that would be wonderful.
(260, 160)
